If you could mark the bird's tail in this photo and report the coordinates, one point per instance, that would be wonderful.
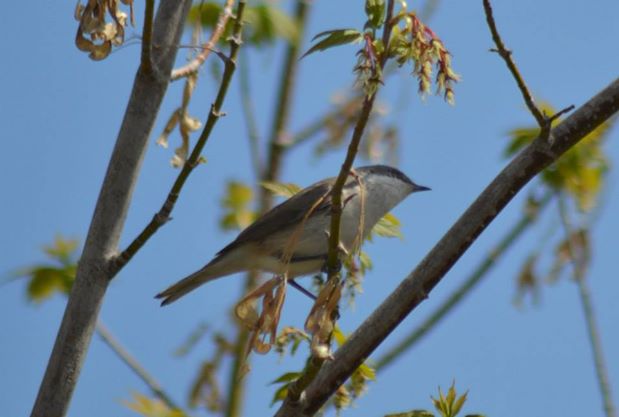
(210, 272)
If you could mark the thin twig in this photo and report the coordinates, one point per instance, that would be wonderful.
(431, 270)
(194, 65)
(588, 311)
(544, 121)
(315, 363)
(109, 339)
(163, 215)
(353, 147)
(147, 37)
(506, 54)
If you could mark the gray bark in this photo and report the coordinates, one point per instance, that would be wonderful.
(418, 284)
(94, 272)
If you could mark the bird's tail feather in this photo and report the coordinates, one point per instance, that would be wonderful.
(210, 272)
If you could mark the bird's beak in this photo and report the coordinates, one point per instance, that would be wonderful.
(421, 188)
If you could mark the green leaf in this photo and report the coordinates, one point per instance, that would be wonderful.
(334, 38)
(45, 280)
(287, 377)
(449, 405)
(280, 394)
(62, 249)
(366, 262)
(375, 11)
(268, 23)
(281, 189)
(236, 201)
(387, 226)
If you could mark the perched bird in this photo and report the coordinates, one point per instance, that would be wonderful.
(293, 236)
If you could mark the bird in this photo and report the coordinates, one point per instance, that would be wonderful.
(292, 238)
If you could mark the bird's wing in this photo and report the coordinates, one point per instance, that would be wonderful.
(284, 215)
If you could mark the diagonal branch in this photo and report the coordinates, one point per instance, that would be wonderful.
(528, 219)
(208, 47)
(163, 215)
(418, 284)
(122, 353)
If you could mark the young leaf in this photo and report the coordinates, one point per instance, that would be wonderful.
(375, 11)
(287, 377)
(281, 189)
(387, 226)
(334, 38)
(237, 215)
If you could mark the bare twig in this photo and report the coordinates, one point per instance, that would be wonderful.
(93, 272)
(465, 288)
(109, 339)
(163, 215)
(544, 121)
(418, 284)
(207, 48)
(506, 54)
(588, 311)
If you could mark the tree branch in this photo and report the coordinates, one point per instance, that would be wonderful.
(418, 284)
(465, 288)
(128, 359)
(93, 273)
(208, 47)
(506, 54)
(163, 215)
(270, 173)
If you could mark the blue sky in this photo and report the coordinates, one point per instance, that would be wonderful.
(60, 114)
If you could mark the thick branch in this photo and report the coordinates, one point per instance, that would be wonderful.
(466, 286)
(416, 287)
(109, 216)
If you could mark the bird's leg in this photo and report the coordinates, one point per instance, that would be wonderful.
(298, 286)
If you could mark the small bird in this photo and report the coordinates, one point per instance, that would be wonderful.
(293, 236)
